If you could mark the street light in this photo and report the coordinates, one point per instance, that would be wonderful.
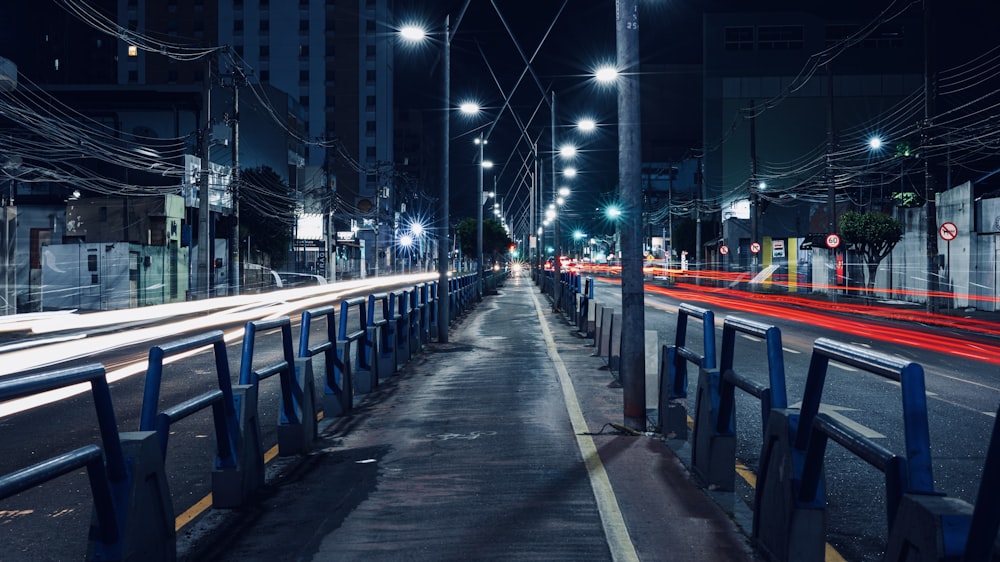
(415, 33)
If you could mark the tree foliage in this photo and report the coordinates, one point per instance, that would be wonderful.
(495, 239)
(267, 213)
(872, 235)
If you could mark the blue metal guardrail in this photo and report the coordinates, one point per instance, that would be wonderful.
(332, 388)
(430, 298)
(133, 512)
(239, 465)
(673, 379)
(381, 320)
(585, 324)
(112, 477)
(399, 323)
(713, 452)
(417, 319)
(296, 415)
(789, 514)
(354, 367)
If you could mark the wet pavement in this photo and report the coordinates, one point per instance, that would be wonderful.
(495, 445)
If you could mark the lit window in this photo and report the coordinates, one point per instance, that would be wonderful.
(133, 51)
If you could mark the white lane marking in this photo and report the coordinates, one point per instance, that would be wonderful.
(834, 412)
(897, 383)
(612, 520)
(843, 367)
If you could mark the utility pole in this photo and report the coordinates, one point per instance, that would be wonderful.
(831, 188)
(754, 191)
(557, 263)
(930, 197)
(234, 239)
(204, 273)
(633, 355)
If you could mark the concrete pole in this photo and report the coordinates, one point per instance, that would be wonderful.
(633, 355)
(234, 241)
(444, 308)
(557, 263)
(479, 223)
(204, 274)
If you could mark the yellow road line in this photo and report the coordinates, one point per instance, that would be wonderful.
(615, 530)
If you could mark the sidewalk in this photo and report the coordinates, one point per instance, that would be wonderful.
(474, 452)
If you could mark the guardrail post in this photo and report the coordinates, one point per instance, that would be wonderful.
(713, 451)
(671, 404)
(386, 358)
(790, 514)
(401, 300)
(133, 516)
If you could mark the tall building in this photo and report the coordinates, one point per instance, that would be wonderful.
(790, 99)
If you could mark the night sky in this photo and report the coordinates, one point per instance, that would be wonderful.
(582, 35)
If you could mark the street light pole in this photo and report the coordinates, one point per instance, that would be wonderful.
(479, 222)
(633, 357)
(444, 310)
(557, 263)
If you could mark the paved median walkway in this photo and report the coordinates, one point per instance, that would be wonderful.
(495, 445)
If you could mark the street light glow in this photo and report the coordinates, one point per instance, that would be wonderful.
(487, 164)
(606, 74)
(567, 151)
(563, 191)
(469, 108)
(586, 125)
(413, 33)
(416, 228)
(613, 212)
(875, 143)
(569, 172)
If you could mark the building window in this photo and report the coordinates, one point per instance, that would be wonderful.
(370, 152)
(370, 26)
(239, 50)
(265, 50)
(886, 36)
(265, 75)
(133, 76)
(739, 39)
(133, 51)
(265, 25)
(370, 51)
(370, 127)
(331, 49)
(303, 25)
(303, 50)
(304, 100)
(303, 76)
(837, 33)
(370, 102)
(370, 76)
(780, 37)
(238, 25)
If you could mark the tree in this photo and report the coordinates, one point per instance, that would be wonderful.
(267, 213)
(873, 235)
(495, 239)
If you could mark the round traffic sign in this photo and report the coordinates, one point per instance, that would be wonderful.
(948, 231)
(723, 250)
(832, 241)
(755, 247)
